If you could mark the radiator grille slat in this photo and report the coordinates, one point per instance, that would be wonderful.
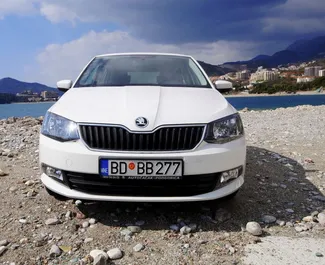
(164, 139)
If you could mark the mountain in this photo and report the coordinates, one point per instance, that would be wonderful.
(13, 86)
(299, 51)
(213, 70)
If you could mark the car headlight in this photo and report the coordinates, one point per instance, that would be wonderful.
(225, 130)
(59, 128)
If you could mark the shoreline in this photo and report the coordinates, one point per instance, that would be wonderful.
(300, 93)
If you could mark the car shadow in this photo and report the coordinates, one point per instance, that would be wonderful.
(274, 185)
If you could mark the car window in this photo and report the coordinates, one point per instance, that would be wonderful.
(131, 70)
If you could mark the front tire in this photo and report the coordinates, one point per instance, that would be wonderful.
(55, 195)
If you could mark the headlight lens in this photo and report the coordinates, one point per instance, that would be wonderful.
(225, 130)
(59, 128)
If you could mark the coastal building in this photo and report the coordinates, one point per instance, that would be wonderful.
(49, 95)
(312, 71)
(270, 75)
(243, 75)
(305, 79)
(321, 72)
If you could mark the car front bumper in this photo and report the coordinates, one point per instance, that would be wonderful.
(205, 159)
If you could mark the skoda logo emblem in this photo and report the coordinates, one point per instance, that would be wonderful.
(141, 122)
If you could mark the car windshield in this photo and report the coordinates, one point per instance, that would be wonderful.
(144, 70)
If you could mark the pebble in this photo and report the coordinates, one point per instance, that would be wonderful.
(222, 215)
(2, 250)
(22, 221)
(254, 228)
(308, 218)
(96, 252)
(13, 189)
(174, 228)
(134, 229)
(3, 174)
(115, 253)
(268, 219)
(23, 240)
(30, 183)
(88, 240)
(4, 243)
(78, 202)
(52, 221)
(319, 198)
(299, 228)
(85, 224)
(290, 211)
(55, 251)
(92, 221)
(126, 232)
(138, 247)
(185, 230)
(99, 260)
(321, 219)
(68, 214)
(318, 254)
(280, 222)
(140, 223)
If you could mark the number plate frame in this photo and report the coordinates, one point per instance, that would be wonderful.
(144, 176)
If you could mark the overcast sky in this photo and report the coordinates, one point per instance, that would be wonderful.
(49, 40)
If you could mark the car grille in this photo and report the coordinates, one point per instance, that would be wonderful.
(120, 139)
(189, 185)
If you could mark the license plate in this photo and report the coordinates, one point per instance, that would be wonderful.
(141, 169)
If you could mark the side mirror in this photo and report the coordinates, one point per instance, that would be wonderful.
(223, 86)
(64, 85)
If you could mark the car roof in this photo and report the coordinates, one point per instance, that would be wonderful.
(143, 53)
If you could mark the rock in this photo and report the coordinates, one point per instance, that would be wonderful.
(280, 223)
(254, 228)
(52, 221)
(23, 240)
(185, 230)
(22, 221)
(290, 211)
(138, 247)
(4, 243)
(126, 232)
(134, 229)
(308, 218)
(115, 253)
(193, 227)
(309, 160)
(318, 254)
(174, 228)
(321, 219)
(314, 214)
(55, 251)
(2, 250)
(268, 219)
(85, 224)
(80, 215)
(299, 228)
(13, 189)
(96, 252)
(92, 221)
(3, 174)
(30, 183)
(78, 202)
(88, 240)
(100, 260)
(68, 215)
(319, 198)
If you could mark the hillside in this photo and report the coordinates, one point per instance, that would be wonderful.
(299, 51)
(12, 86)
(213, 70)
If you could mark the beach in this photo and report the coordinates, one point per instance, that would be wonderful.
(283, 192)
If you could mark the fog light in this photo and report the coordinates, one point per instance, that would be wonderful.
(230, 174)
(54, 173)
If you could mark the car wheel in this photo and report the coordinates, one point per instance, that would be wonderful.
(56, 196)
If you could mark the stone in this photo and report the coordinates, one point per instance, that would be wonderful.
(100, 260)
(23, 240)
(92, 221)
(280, 222)
(2, 250)
(115, 253)
(134, 229)
(138, 247)
(222, 215)
(78, 202)
(319, 198)
(185, 230)
(55, 251)
(3, 174)
(85, 224)
(68, 214)
(22, 221)
(30, 183)
(88, 240)
(126, 232)
(52, 221)
(299, 228)
(13, 189)
(96, 252)
(174, 228)
(268, 219)
(4, 243)
(321, 218)
(290, 211)
(254, 228)
(193, 227)
(319, 255)
(308, 218)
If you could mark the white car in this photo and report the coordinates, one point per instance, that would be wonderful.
(142, 127)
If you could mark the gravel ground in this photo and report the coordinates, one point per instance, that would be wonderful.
(283, 193)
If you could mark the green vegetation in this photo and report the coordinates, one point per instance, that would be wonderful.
(285, 85)
(6, 98)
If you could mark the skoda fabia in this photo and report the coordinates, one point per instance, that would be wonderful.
(143, 127)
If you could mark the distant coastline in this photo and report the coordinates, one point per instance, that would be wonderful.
(298, 93)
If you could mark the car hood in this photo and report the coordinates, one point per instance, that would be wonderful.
(159, 105)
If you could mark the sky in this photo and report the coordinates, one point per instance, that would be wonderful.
(49, 40)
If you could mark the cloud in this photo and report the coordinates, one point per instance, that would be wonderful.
(61, 61)
(21, 7)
